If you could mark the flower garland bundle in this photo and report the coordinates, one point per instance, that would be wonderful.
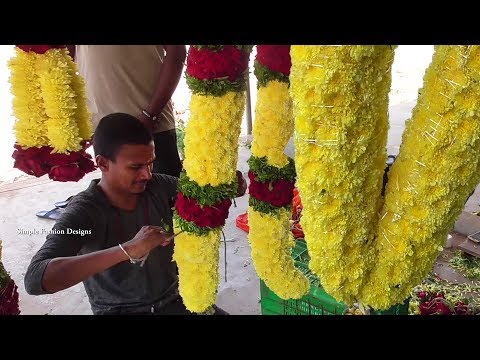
(216, 74)
(52, 116)
(436, 170)
(272, 176)
(8, 291)
(340, 97)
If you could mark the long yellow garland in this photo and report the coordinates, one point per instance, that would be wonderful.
(28, 107)
(437, 168)
(211, 155)
(270, 236)
(56, 72)
(340, 96)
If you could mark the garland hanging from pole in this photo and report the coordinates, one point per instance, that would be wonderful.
(272, 176)
(216, 75)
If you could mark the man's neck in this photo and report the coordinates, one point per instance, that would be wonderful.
(119, 200)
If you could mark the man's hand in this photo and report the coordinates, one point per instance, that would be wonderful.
(148, 238)
(147, 122)
(242, 184)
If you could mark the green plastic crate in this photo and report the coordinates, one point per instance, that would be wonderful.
(317, 302)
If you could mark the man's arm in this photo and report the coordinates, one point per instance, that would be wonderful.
(56, 266)
(169, 77)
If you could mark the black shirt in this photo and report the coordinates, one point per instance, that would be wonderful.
(124, 285)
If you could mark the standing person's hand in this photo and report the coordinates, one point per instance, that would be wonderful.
(148, 238)
(146, 121)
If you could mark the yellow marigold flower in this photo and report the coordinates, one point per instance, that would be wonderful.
(271, 240)
(211, 138)
(197, 259)
(28, 107)
(60, 100)
(340, 103)
(273, 124)
(437, 168)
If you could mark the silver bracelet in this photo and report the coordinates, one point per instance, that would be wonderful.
(132, 260)
(154, 118)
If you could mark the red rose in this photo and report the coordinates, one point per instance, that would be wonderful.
(39, 49)
(277, 193)
(56, 159)
(441, 308)
(422, 294)
(275, 57)
(31, 167)
(70, 172)
(30, 160)
(206, 64)
(460, 308)
(206, 216)
(86, 164)
(9, 299)
(437, 306)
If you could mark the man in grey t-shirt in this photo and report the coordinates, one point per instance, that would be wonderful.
(113, 236)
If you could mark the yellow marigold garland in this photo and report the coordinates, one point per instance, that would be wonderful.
(211, 155)
(340, 96)
(60, 101)
(273, 124)
(437, 168)
(82, 114)
(270, 236)
(211, 148)
(30, 127)
(197, 257)
(272, 241)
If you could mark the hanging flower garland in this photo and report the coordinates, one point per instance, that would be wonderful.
(429, 183)
(340, 97)
(272, 176)
(216, 75)
(53, 123)
(8, 291)
(436, 170)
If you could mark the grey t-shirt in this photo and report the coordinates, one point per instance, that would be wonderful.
(124, 285)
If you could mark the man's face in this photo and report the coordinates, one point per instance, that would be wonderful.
(132, 168)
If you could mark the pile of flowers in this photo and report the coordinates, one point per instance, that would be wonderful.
(52, 125)
(216, 75)
(365, 247)
(439, 297)
(8, 291)
(272, 176)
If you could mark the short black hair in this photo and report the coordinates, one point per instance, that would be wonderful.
(117, 129)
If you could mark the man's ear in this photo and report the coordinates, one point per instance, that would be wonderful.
(102, 162)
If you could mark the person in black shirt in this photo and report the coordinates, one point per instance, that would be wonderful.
(116, 236)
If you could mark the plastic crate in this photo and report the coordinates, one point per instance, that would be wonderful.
(317, 302)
